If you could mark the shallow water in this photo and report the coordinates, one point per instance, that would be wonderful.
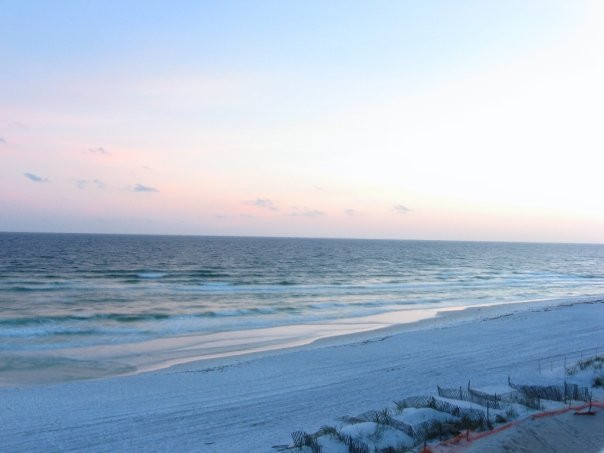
(70, 291)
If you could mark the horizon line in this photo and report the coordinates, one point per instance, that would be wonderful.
(299, 237)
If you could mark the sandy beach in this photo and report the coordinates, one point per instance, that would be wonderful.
(253, 402)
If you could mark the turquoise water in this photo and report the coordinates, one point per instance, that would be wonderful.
(71, 290)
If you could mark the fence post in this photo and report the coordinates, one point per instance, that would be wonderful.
(565, 390)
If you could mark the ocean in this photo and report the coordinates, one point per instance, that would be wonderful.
(64, 292)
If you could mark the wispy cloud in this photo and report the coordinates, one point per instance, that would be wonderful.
(2, 141)
(305, 212)
(401, 209)
(83, 183)
(98, 150)
(352, 212)
(244, 216)
(141, 188)
(262, 203)
(35, 178)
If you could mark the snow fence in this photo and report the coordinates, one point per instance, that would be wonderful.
(563, 392)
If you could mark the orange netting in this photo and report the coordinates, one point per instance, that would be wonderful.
(464, 440)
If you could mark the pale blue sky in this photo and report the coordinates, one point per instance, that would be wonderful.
(352, 41)
(320, 107)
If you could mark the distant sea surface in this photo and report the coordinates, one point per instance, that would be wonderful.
(71, 290)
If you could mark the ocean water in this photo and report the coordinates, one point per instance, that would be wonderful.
(62, 291)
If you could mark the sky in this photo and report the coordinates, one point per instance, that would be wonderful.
(469, 120)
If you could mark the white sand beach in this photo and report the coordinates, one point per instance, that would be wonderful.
(253, 402)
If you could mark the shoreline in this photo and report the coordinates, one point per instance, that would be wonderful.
(249, 403)
(167, 353)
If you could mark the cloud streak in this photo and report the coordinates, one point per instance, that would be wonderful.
(401, 209)
(35, 178)
(352, 212)
(83, 183)
(262, 203)
(141, 188)
(305, 212)
(99, 150)
(2, 141)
